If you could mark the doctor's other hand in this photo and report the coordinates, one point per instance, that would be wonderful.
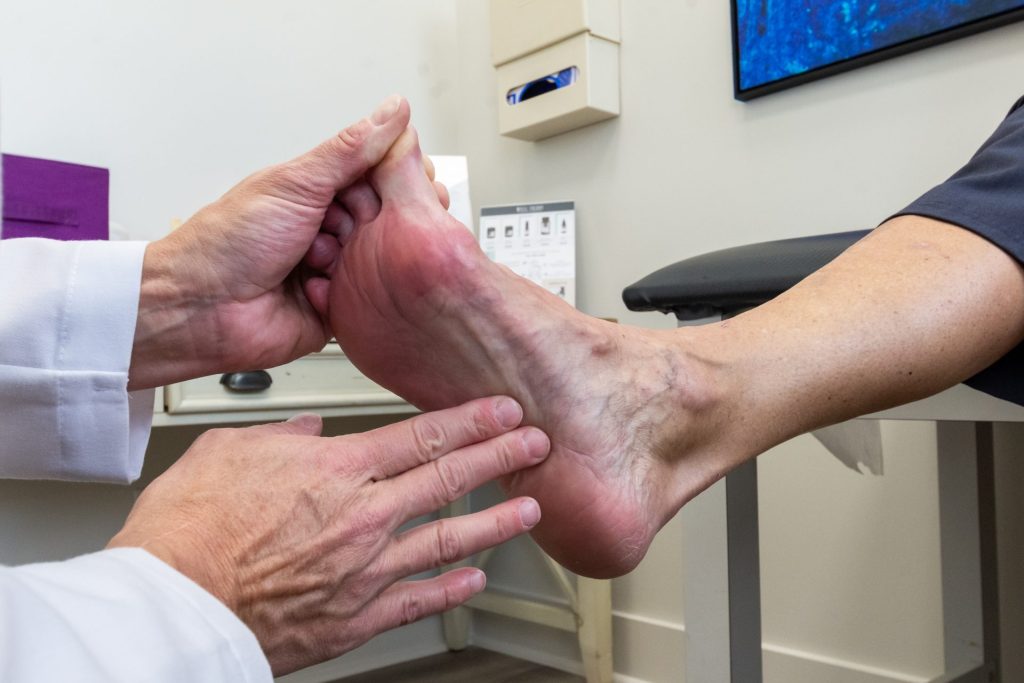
(299, 534)
(231, 289)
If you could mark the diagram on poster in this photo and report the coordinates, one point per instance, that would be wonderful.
(537, 241)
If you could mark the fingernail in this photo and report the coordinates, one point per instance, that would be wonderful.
(529, 512)
(386, 109)
(508, 412)
(537, 443)
(477, 581)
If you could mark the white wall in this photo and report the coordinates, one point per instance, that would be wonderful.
(850, 573)
(183, 99)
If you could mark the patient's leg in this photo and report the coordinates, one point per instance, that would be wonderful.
(641, 421)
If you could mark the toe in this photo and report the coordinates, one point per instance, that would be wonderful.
(338, 222)
(400, 177)
(323, 253)
(361, 201)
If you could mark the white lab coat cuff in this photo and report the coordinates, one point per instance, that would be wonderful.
(67, 412)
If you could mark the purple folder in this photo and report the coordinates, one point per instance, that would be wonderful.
(54, 199)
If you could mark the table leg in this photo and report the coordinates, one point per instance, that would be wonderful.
(595, 628)
(970, 603)
(722, 581)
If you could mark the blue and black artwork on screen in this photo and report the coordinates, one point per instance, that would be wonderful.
(779, 43)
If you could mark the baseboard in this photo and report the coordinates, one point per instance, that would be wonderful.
(646, 650)
(653, 651)
(789, 664)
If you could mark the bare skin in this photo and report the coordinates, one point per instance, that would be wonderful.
(299, 535)
(641, 421)
(242, 284)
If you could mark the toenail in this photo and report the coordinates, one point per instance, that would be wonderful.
(529, 512)
(508, 412)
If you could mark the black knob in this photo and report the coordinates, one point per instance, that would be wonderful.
(248, 381)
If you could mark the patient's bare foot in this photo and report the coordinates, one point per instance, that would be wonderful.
(421, 310)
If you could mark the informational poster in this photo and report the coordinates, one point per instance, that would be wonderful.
(537, 241)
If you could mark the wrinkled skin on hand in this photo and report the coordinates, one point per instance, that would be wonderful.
(298, 534)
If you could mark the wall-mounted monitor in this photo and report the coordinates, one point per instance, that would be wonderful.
(778, 44)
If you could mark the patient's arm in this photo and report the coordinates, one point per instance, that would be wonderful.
(915, 307)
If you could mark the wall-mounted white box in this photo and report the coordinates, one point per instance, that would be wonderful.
(557, 62)
(593, 97)
(519, 27)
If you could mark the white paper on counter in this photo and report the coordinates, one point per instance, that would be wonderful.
(453, 172)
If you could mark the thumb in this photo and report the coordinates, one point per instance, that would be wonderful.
(303, 424)
(344, 158)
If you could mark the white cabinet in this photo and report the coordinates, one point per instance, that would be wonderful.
(326, 382)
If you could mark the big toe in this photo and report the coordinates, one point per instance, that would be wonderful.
(400, 176)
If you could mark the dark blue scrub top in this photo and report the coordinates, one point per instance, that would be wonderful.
(987, 197)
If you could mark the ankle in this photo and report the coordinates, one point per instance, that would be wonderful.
(709, 432)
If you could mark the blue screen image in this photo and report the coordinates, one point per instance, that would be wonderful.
(781, 38)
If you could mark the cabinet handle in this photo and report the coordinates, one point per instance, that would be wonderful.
(247, 382)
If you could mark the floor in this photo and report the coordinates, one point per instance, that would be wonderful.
(472, 665)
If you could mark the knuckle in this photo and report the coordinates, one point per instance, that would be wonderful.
(352, 137)
(504, 527)
(428, 439)
(451, 598)
(451, 480)
(449, 545)
(370, 524)
(483, 423)
(507, 454)
(412, 609)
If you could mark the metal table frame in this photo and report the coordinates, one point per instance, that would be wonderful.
(722, 570)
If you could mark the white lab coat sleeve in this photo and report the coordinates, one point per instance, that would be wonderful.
(119, 615)
(67, 323)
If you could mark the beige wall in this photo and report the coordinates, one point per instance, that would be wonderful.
(850, 574)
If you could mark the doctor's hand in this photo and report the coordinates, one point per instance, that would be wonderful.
(299, 534)
(239, 286)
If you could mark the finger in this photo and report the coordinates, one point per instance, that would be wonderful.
(442, 194)
(361, 201)
(303, 424)
(436, 484)
(391, 450)
(399, 177)
(428, 166)
(449, 540)
(338, 221)
(409, 601)
(347, 156)
(323, 253)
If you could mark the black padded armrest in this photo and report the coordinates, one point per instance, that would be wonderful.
(731, 280)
